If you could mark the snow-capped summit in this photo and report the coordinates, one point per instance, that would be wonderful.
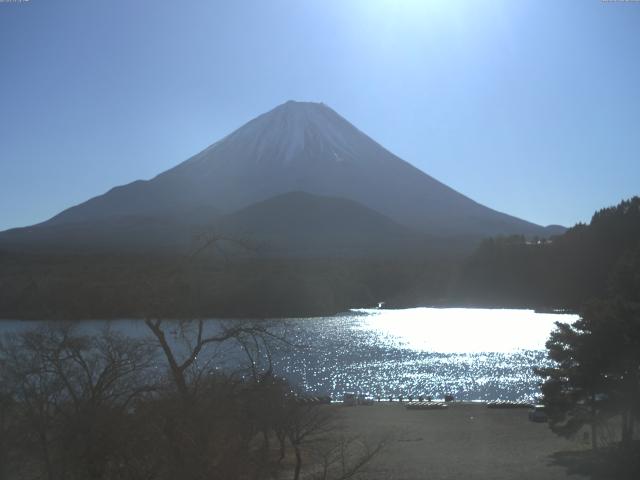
(283, 134)
(302, 147)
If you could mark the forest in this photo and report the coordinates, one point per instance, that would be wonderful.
(562, 272)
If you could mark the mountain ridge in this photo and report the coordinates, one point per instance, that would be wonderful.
(300, 147)
(303, 224)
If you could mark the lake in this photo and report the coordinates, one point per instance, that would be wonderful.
(474, 354)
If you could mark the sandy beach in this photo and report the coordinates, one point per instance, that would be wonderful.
(465, 441)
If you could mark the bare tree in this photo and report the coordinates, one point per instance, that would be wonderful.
(305, 422)
(69, 393)
(7, 430)
(253, 336)
(346, 457)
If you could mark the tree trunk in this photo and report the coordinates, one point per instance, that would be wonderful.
(281, 441)
(176, 371)
(46, 457)
(625, 427)
(594, 430)
(296, 473)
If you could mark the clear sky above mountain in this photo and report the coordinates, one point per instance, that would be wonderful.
(528, 107)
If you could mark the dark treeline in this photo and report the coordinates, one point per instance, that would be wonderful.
(40, 286)
(106, 406)
(593, 386)
(564, 272)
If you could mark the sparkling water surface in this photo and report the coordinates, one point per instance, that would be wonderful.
(474, 354)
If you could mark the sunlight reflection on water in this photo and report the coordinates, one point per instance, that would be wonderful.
(461, 330)
(474, 354)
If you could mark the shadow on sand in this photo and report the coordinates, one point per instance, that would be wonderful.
(611, 463)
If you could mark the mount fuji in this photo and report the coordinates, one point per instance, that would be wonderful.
(300, 147)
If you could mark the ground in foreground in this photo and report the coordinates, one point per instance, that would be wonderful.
(465, 441)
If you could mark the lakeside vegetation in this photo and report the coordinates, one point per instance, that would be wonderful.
(563, 273)
(106, 406)
(595, 380)
(82, 287)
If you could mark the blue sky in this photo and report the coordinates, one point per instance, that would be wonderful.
(529, 107)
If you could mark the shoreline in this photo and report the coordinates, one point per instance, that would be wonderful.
(293, 316)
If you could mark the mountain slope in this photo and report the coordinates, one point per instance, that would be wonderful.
(298, 146)
(287, 225)
(139, 232)
(304, 147)
(301, 224)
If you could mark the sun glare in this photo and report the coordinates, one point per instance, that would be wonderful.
(465, 329)
(412, 10)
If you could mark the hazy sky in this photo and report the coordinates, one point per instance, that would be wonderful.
(529, 107)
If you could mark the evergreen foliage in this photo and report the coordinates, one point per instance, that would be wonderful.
(564, 272)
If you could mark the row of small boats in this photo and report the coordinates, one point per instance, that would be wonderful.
(499, 404)
(506, 404)
(426, 406)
